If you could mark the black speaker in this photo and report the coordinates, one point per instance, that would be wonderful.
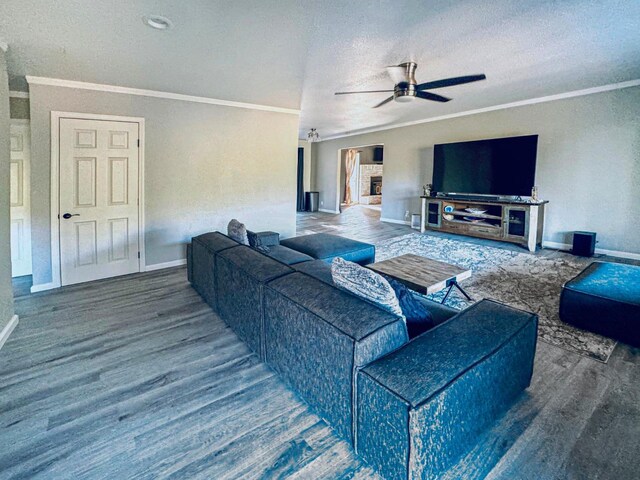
(584, 243)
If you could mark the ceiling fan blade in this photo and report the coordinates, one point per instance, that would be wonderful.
(432, 96)
(386, 100)
(450, 82)
(397, 73)
(363, 91)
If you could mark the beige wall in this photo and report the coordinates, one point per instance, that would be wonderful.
(19, 108)
(588, 162)
(6, 292)
(205, 164)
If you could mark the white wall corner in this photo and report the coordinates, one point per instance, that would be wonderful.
(6, 331)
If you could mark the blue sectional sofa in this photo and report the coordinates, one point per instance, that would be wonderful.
(410, 408)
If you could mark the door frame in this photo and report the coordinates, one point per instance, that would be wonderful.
(339, 171)
(56, 273)
(26, 122)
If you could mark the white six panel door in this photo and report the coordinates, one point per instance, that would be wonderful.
(98, 199)
(20, 206)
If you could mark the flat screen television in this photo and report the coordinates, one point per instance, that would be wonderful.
(496, 167)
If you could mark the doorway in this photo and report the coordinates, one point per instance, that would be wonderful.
(360, 177)
(96, 197)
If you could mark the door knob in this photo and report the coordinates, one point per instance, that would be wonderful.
(69, 215)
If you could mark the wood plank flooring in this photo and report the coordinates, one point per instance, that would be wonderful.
(136, 377)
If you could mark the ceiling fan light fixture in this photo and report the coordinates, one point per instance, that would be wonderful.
(157, 22)
(313, 136)
(404, 98)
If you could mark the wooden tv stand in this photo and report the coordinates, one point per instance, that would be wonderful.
(506, 220)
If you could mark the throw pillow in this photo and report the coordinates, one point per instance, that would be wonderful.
(237, 231)
(365, 284)
(419, 319)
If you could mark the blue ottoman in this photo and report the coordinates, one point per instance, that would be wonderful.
(604, 298)
(323, 246)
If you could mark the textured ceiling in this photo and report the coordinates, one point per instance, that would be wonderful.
(296, 54)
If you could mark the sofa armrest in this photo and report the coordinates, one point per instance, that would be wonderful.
(422, 407)
(263, 239)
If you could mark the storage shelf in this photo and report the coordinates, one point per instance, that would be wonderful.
(475, 215)
(497, 227)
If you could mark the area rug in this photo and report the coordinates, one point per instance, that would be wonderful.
(520, 279)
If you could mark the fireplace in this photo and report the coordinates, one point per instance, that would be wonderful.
(376, 186)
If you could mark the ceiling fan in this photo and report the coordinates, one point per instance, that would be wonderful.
(407, 88)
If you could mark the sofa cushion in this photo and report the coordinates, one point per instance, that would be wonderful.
(318, 269)
(324, 246)
(215, 241)
(366, 284)
(203, 251)
(238, 232)
(317, 336)
(612, 281)
(285, 255)
(263, 239)
(241, 273)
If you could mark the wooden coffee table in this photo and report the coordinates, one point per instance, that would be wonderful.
(423, 274)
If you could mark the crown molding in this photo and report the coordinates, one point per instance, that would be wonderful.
(16, 94)
(521, 103)
(57, 82)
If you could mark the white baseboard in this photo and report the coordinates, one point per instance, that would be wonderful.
(42, 287)
(601, 251)
(324, 210)
(392, 220)
(556, 245)
(160, 266)
(6, 331)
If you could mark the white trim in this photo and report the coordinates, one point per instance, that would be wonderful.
(8, 328)
(600, 251)
(618, 253)
(17, 94)
(56, 82)
(392, 220)
(556, 245)
(43, 287)
(521, 103)
(55, 195)
(160, 266)
(324, 210)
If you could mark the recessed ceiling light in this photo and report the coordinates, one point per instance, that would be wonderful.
(158, 22)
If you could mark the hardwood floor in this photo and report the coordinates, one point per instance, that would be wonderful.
(136, 377)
